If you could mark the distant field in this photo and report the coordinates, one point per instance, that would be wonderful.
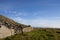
(37, 34)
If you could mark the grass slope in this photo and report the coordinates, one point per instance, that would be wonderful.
(4, 19)
(37, 34)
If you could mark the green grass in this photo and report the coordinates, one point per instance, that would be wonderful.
(37, 34)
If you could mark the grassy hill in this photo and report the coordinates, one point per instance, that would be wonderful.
(37, 34)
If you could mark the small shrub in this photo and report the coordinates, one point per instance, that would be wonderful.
(50, 35)
(58, 32)
(7, 38)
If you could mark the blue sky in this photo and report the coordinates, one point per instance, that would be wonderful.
(38, 13)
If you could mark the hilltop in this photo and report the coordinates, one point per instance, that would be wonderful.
(5, 20)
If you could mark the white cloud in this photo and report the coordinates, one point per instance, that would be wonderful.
(21, 14)
(39, 22)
